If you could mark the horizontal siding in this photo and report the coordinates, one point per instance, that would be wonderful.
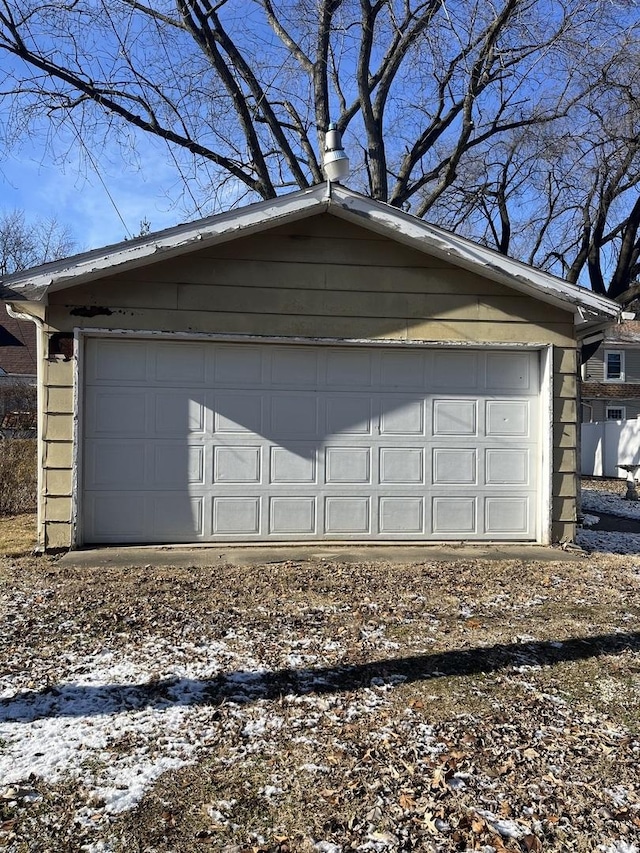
(594, 368)
(303, 325)
(565, 440)
(318, 278)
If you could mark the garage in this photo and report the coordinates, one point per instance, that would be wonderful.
(216, 441)
(316, 367)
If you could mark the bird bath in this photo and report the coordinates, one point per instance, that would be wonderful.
(632, 492)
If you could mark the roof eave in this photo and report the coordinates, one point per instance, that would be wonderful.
(129, 255)
(588, 308)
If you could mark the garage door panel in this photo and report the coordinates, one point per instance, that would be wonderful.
(295, 463)
(299, 372)
(455, 516)
(402, 466)
(177, 413)
(175, 464)
(293, 516)
(455, 417)
(454, 371)
(509, 371)
(507, 515)
(115, 517)
(455, 466)
(347, 515)
(402, 516)
(294, 416)
(238, 413)
(107, 362)
(203, 440)
(402, 416)
(186, 365)
(508, 466)
(238, 366)
(174, 513)
(232, 516)
(348, 415)
(508, 418)
(347, 465)
(115, 464)
(237, 464)
(399, 370)
(121, 413)
(349, 368)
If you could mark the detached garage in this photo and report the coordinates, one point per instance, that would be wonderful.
(318, 367)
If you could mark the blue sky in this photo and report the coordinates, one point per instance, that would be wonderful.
(46, 183)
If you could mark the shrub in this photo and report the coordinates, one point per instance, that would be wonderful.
(18, 475)
(18, 397)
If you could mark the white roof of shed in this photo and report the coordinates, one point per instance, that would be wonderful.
(34, 284)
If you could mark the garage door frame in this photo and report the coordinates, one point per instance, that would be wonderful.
(545, 426)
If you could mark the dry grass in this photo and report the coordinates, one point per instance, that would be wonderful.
(605, 484)
(451, 690)
(18, 476)
(17, 535)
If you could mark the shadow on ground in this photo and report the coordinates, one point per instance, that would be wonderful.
(78, 700)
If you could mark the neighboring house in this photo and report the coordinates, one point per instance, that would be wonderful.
(18, 369)
(18, 359)
(316, 367)
(611, 377)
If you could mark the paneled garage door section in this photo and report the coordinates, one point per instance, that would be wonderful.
(188, 441)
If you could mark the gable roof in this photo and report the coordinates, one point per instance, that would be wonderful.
(588, 308)
(17, 345)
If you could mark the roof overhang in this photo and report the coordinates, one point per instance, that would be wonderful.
(590, 310)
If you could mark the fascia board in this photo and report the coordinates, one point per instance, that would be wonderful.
(391, 222)
(89, 266)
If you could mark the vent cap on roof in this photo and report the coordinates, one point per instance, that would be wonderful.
(335, 161)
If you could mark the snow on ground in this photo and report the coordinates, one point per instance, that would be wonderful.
(596, 501)
(116, 723)
(610, 503)
(610, 542)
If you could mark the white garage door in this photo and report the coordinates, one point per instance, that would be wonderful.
(187, 441)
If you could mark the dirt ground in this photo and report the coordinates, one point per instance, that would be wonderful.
(301, 706)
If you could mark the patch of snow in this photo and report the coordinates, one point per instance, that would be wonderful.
(610, 503)
(590, 520)
(505, 828)
(609, 542)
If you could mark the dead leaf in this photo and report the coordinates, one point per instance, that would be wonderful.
(406, 801)
(532, 843)
(478, 824)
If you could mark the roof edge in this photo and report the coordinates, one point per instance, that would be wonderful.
(588, 308)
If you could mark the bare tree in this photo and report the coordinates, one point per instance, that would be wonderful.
(566, 196)
(24, 244)
(424, 90)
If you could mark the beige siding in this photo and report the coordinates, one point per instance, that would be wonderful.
(565, 441)
(318, 278)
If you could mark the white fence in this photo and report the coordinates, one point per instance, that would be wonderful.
(607, 444)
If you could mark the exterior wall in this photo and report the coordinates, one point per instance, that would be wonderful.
(594, 368)
(597, 409)
(318, 278)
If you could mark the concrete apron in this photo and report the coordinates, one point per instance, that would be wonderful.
(243, 555)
